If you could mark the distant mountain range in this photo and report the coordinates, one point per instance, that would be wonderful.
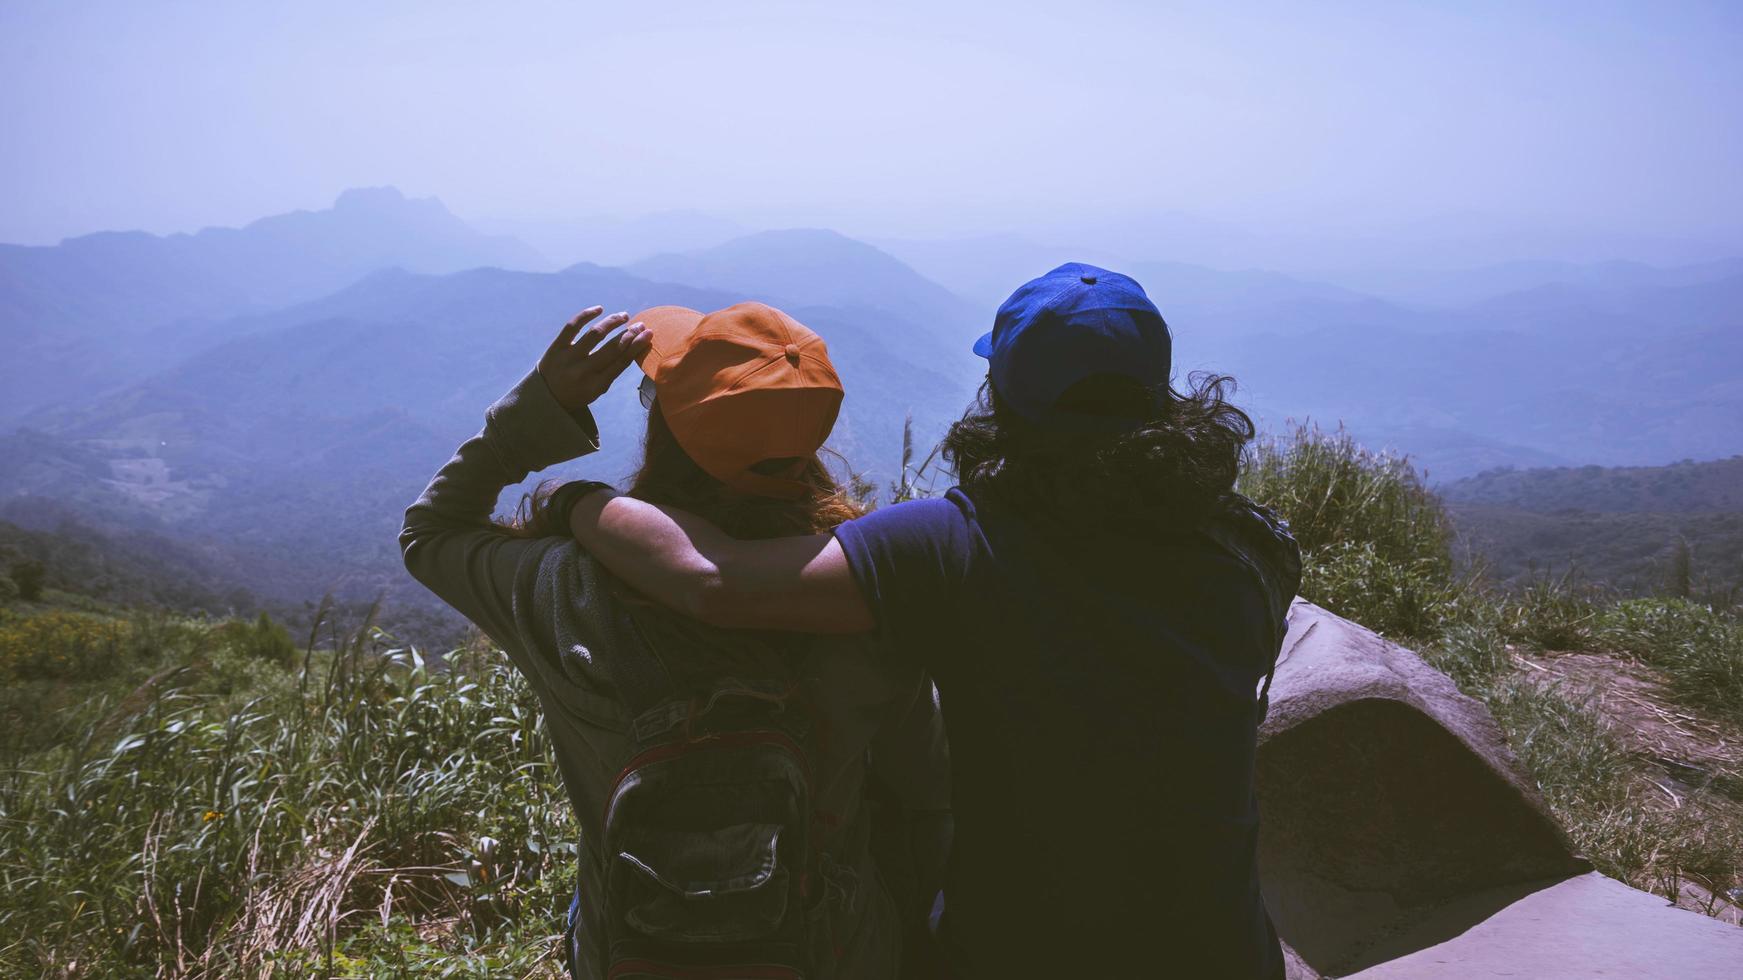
(275, 394)
(112, 307)
(1618, 363)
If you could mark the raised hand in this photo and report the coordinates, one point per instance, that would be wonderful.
(578, 368)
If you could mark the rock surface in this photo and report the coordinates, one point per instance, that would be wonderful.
(1402, 839)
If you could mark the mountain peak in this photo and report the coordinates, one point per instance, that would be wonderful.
(809, 267)
(375, 200)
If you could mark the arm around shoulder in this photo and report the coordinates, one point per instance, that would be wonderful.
(687, 564)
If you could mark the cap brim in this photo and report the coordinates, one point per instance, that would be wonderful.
(669, 327)
(984, 346)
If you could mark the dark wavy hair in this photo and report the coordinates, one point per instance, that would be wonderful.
(1178, 464)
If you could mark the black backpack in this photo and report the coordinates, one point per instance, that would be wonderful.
(710, 841)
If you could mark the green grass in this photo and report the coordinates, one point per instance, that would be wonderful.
(221, 812)
(1699, 647)
(1375, 542)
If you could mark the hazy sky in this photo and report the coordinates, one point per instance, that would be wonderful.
(892, 118)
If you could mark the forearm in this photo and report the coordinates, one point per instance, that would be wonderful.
(686, 563)
(462, 495)
(669, 555)
(524, 431)
(447, 539)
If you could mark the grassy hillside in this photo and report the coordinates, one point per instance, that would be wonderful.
(91, 567)
(189, 798)
(186, 797)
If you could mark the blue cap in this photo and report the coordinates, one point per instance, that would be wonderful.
(1073, 322)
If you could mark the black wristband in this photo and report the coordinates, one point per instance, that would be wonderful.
(563, 500)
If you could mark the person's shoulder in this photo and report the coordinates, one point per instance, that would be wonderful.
(952, 509)
(1259, 522)
(1257, 535)
(959, 499)
(937, 533)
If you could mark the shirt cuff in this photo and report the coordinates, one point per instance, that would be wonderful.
(535, 431)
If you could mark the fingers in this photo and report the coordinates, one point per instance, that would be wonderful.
(566, 336)
(618, 353)
(596, 332)
(581, 363)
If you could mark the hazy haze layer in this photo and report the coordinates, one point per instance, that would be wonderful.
(1301, 138)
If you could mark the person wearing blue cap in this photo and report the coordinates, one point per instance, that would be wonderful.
(1100, 611)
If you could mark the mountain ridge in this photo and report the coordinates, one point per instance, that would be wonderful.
(102, 309)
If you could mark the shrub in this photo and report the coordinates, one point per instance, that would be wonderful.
(1376, 543)
(60, 645)
(1332, 490)
(261, 640)
(1392, 598)
(1551, 614)
(29, 576)
(1473, 653)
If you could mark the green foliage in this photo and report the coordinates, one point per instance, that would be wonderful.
(263, 640)
(1698, 647)
(1375, 541)
(60, 645)
(1405, 599)
(1679, 577)
(1585, 775)
(29, 576)
(1473, 652)
(1550, 614)
(1715, 485)
(228, 813)
(1333, 490)
(1634, 553)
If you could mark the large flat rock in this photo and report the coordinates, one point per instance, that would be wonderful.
(1401, 838)
(1586, 926)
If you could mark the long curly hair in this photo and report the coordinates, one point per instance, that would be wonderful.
(669, 476)
(1177, 465)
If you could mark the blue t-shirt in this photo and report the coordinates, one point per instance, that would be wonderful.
(1099, 690)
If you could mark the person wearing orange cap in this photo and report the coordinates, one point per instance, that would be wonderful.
(724, 782)
(1101, 612)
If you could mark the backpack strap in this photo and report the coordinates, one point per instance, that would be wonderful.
(1261, 541)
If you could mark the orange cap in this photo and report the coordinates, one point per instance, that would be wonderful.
(739, 386)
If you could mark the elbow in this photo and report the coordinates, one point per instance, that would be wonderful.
(709, 598)
(408, 539)
(413, 543)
